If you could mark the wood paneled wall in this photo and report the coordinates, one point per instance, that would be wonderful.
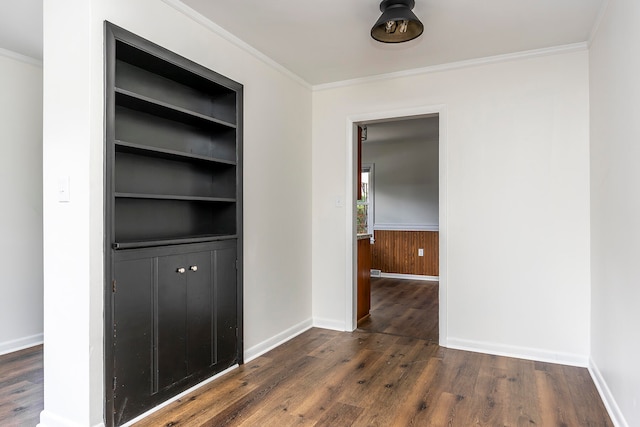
(397, 252)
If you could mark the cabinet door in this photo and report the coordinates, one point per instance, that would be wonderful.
(185, 316)
(200, 354)
(175, 321)
(364, 279)
(226, 307)
(171, 319)
(133, 336)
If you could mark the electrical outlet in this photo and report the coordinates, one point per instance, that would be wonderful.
(420, 252)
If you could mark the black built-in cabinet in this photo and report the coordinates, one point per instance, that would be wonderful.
(173, 212)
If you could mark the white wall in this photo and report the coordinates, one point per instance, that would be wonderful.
(615, 209)
(21, 213)
(405, 181)
(277, 186)
(517, 213)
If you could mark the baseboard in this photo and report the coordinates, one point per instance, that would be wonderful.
(607, 397)
(20, 343)
(329, 324)
(410, 277)
(526, 353)
(273, 342)
(49, 419)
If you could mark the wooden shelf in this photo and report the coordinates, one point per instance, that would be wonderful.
(173, 197)
(143, 103)
(130, 147)
(178, 241)
(212, 83)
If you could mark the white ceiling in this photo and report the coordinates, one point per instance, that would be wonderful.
(21, 27)
(329, 40)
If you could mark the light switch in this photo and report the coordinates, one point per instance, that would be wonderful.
(64, 195)
(420, 252)
(339, 202)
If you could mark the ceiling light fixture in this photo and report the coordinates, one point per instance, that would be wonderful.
(397, 23)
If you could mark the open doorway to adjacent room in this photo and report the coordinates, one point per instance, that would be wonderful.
(398, 204)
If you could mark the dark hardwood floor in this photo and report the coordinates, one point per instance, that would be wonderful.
(403, 307)
(363, 378)
(21, 388)
(328, 378)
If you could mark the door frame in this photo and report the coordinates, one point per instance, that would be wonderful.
(351, 196)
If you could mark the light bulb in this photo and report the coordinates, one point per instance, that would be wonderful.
(402, 27)
(390, 27)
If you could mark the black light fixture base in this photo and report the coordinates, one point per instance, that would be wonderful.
(398, 23)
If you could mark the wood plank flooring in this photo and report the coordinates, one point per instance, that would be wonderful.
(21, 388)
(403, 307)
(329, 378)
(364, 378)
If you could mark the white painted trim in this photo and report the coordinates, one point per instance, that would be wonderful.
(20, 343)
(371, 212)
(20, 57)
(351, 265)
(329, 324)
(410, 277)
(555, 50)
(207, 23)
(350, 238)
(49, 419)
(406, 227)
(527, 353)
(278, 339)
(179, 396)
(607, 397)
(596, 25)
(443, 255)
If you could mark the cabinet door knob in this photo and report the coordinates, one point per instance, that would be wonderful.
(193, 268)
(181, 270)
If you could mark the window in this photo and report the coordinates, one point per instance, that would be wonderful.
(365, 205)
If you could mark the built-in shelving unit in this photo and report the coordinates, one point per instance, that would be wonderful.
(173, 199)
(175, 152)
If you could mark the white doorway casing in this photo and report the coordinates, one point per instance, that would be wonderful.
(350, 201)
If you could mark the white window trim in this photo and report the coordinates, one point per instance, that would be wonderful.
(371, 202)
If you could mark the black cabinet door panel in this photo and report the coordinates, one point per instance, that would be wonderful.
(176, 319)
(133, 336)
(226, 303)
(172, 319)
(200, 313)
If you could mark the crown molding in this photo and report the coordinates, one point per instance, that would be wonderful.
(535, 53)
(19, 57)
(207, 23)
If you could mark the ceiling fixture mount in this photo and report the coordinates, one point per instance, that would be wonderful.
(397, 23)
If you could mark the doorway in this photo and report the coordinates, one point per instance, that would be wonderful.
(401, 284)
